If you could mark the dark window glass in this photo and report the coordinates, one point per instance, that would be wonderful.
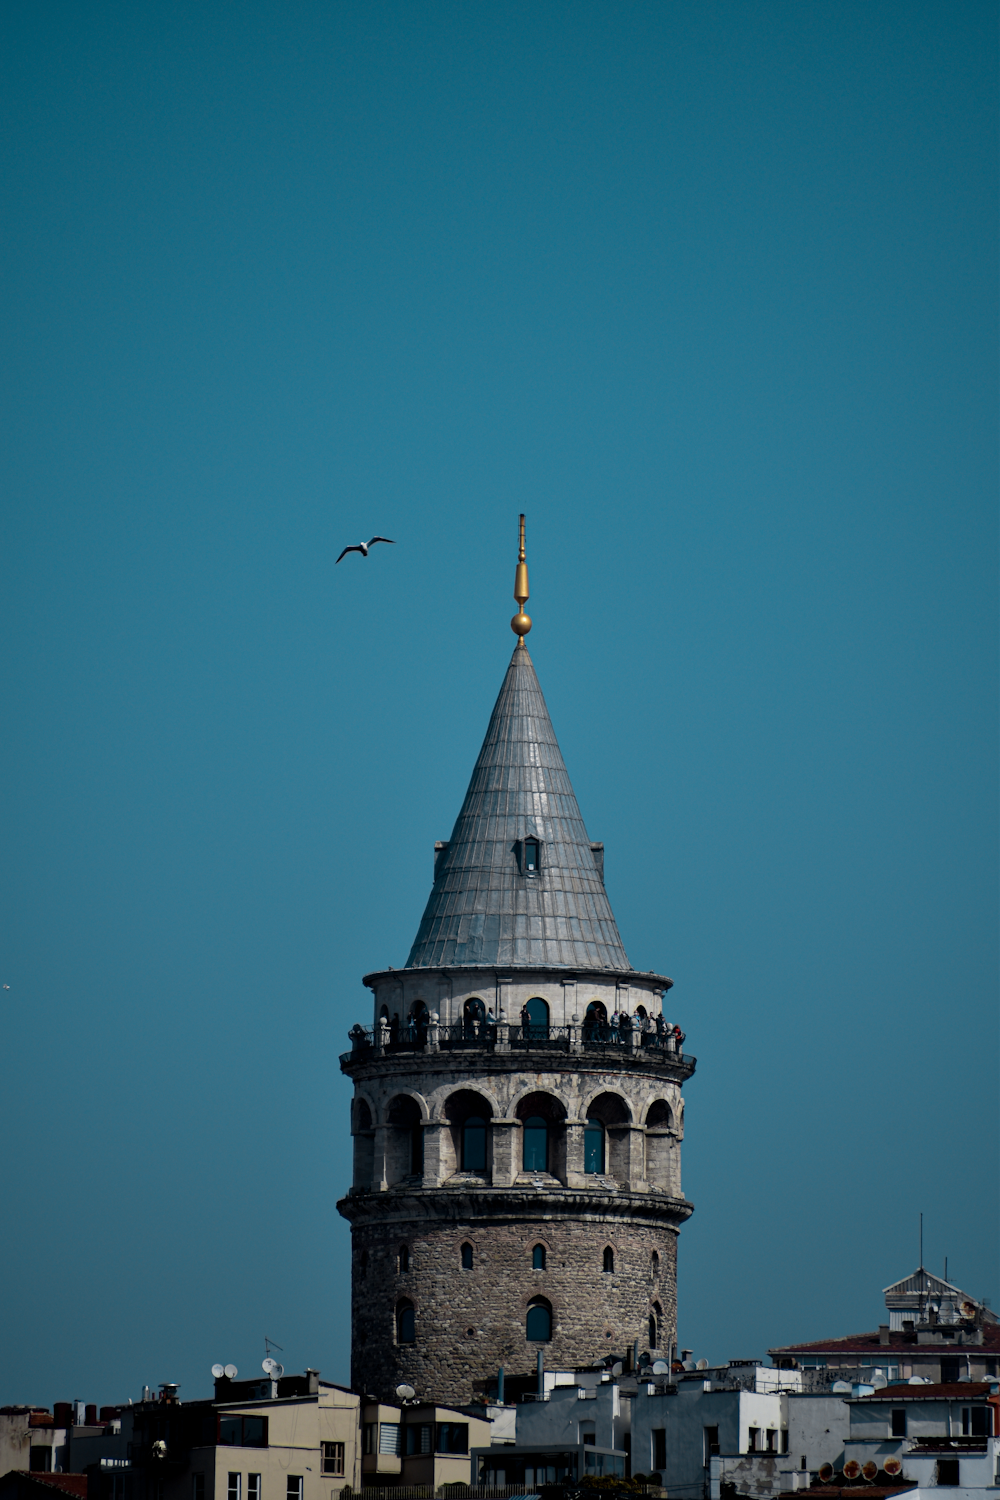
(951, 1370)
(538, 1018)
(711, 1442)
(531, 855)
(538, 1258)
(652, 1332)
(536, 1144)
(899, 1421)
(243, 1432)
(466, 1257)
(474, 1145)
(198, 1487)
(418, 1438)
(253, 1487)
(235, 1486)
(609, 1259)
(980, 1422)
(659, 1448)
(417, 1150)
(293, 1487)
(947, 1471)
(539, 1322)
(593, 1147)
(40, 1458)
(404, 1259)
(452, 1437)
(406, 1324)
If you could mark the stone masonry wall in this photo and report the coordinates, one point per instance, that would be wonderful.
(471, 1321)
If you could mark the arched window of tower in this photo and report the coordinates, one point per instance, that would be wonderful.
(538, 1258)
(466, 1145)
(640, 1010)
(468, 1257)
(419, 1020)
(538, 1324)
(611, 1112)
(659, 1145)
(609, 1260)
(543, 1134)
(404, 1259)
(655, 1325)
(364, 1146)
(654, 1262)
(537, 1027)
(593, 1147)
(595, 1022)
(404, 1155)
(406, 1323)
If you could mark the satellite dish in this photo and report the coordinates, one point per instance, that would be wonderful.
(825, 1473)
(688, 1364)
(869, 1471)
(892, 1467)
(917, 1380)
(852, 1469)
(230, 1372)
(277, 1372)
(660, 1367)
(218, 1371)
(702, 1364)
(968, 1309)
(616, 1368)
(405, 1392)
(879, 1381)
(841, 1387)
(269, 1365)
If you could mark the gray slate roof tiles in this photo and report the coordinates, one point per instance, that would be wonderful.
(482, 908)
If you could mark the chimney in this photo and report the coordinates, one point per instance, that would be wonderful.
(312, 1376)
(883, 1333)
(90, 1414)
(63, 1414)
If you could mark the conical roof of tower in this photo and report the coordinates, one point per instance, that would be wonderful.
(483, 910)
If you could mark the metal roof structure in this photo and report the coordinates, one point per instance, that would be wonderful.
(486, 909)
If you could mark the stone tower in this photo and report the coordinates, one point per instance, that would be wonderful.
(517, 1185)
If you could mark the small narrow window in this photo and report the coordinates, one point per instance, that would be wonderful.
(538, 1326)
(235, 1486)
(753, 1436)
(654, 1262)
(659, 1435)
(253, 1487)
(474, 1145)
(293, 1487)
(404, 1259)
(530, 856)
(593, 1147)
(652, 1332)
(609, 1259)
(538, 1258)
(467, 1257)
(198, 1487)
(899, 1421)
(406, 1324)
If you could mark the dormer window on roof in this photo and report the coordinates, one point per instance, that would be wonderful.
(530, 856)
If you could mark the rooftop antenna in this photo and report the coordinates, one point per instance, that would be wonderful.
(269, 1344)
(521, 623)
(946, 1268)
(921, 1242)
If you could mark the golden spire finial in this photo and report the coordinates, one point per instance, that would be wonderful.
(521, 624)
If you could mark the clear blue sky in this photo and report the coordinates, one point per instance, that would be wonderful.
(709, 291)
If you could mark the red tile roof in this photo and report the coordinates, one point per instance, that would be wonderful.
(898, 1342)
(953, 1390)
(69, 1484)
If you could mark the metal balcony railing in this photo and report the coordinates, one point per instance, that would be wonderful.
(487, 1036)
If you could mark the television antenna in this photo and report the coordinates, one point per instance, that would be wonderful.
(269, 1344)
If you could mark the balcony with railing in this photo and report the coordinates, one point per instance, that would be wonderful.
(428, 1036)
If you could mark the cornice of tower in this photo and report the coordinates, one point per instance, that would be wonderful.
(561, 972)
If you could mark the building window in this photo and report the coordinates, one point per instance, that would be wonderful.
(242, 1432)
(368, 1439)
(974, 1421)
(235, 1486)
(418, 1438)
(609, 1259)
(531, 856)
(253, 1487)
(654, 1263)
(898, 1421)
(333, 1459)
(40, 1458)
(452, 1437)
(771, 1441)
(951, 1371)
(535, 1150)
(753, 1440)
(538, 1326)
(389, 1439)
(947, 1471)
(710, 1443)
(474, 1144)
(593, 1146)
(538, 1258)
(406, 1324)
(198, 1487)
(293, 1487)
(404, 1259)
(536, 1019)
(659, 1448)
(467, 1257)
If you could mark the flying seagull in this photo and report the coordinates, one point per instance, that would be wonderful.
(362, 547)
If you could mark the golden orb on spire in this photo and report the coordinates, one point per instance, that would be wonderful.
(521, 623)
